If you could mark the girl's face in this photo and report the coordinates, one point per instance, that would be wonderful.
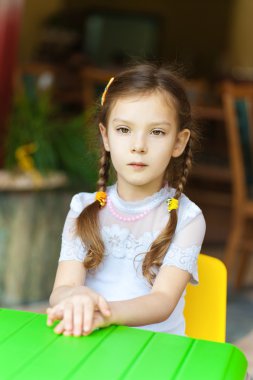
(142, 135)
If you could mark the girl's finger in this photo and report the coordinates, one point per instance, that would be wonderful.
(98, 321)
(59, 329)
(67, 333)
(49, 321)
(54, 314)
(50, 317)
(88, 316)
(78, 320)
(103, 306)
(68, 316)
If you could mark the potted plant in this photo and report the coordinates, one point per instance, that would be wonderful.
(45, 156)
(44, 149)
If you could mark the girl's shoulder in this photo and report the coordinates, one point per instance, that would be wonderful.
(81, 200)
(188, 211)
(186, 204)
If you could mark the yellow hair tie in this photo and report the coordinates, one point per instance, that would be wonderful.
(172, 204)
(101, 197)
(105, 91)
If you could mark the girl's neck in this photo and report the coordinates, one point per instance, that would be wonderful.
(137, 193)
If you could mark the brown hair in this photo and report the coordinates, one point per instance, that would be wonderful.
(141, 79)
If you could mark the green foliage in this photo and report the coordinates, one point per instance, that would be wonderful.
(30, 122)
(62, 144)
(73, 141)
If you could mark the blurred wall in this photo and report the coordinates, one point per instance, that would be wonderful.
(241, 41)
(195, 32)
(34, 14)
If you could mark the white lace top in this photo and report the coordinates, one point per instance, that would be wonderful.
(119, 276)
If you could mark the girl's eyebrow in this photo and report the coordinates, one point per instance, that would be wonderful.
(152, 124)
(162, 122)
(116, 120)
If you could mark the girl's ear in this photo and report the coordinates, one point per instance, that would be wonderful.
(180, 143)
(103, 132)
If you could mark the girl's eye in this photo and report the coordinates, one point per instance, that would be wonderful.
(157, 132)
(123, 130)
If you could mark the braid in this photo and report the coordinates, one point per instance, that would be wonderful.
(187, 164)
(88, 224)
(103, 173)
(160, 246)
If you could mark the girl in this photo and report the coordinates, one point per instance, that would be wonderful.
(129, 250)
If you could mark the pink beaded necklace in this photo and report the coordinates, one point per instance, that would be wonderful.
(125, 218)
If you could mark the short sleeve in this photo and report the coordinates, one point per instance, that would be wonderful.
(186, 245)
(72, 248)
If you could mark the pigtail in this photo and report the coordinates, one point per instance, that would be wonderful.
(88, 223)
(186, 168)
(160, 246)
(103, 173)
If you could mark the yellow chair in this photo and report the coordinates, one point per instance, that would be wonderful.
(205, 304)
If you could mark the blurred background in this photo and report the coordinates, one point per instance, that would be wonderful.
(55, 58)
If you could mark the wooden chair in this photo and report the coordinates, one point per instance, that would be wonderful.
(209, 183)
(205, 303)
(238, 111)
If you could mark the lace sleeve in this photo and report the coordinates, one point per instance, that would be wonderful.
(185, 247)
(72, 247)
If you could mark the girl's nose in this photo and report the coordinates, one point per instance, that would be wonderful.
(139, 145)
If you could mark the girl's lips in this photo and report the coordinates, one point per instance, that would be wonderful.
(137, 164)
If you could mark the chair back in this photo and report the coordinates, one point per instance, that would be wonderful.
(205, 303)
(238, 111)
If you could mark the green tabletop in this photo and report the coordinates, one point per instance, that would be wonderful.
(30, 350)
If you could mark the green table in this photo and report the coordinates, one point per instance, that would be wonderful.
(29, 350)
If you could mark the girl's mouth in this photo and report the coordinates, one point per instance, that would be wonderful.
(137, 164)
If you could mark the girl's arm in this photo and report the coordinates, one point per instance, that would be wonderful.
(72, 302)
(156, 306)
(69, 276)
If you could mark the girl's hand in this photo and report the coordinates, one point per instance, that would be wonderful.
(76, 312)
(99, 320)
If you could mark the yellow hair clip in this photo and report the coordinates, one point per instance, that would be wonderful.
(101, 197)
(172, 204)
(105, 91)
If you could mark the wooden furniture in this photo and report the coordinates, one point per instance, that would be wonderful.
(211, 175)
(238, 111)
(30, 350)
(63, 80)
(205, 304)
(94, 78)
(210, 181)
